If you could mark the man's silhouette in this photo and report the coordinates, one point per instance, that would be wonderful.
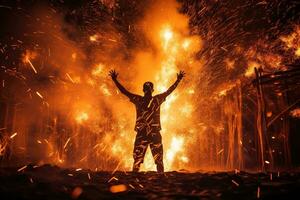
(147, 123)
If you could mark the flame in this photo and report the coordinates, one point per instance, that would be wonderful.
(98, 70)
(81, 117)
(297, 52)
(292, 41)
(176, 146)
(167, 35)
(250, 70)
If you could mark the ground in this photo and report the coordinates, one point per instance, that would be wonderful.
(51, 182)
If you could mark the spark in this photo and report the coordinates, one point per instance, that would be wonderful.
(26, 59)
(267, 162)
(39, 94)
(112, 40)
(32, 67)
(131, 186)
(220, 151)
(68, 140)
(68, 75)
(112, 178)
(22, 168)
(235, 183)
(13, 135)
(31, 180)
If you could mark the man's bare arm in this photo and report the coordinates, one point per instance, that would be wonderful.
(114, 75)
(180, 75)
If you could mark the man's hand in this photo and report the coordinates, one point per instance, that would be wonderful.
(180, 75)
(113, 74)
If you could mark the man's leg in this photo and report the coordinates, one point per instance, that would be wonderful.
(139, 150)
(157, 151)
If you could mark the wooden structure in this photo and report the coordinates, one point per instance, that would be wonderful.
(281, 83)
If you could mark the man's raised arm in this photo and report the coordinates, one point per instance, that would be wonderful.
(113, 74)
(180, 75)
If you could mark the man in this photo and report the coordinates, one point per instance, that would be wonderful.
(147, 123)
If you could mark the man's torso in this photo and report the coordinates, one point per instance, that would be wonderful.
(148, 112)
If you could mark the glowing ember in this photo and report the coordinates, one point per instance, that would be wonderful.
(118, 188)
(269, 114)
(295, 113)
(76, 192)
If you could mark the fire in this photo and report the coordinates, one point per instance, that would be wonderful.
(167, 35)
(297, 52)
(81, 117)
(176, 146)
(229, 64)
(98, 70)
(292, 41)
(250, 70)
(186, 43)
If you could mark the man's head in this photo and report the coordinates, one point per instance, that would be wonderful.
(148, 87)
